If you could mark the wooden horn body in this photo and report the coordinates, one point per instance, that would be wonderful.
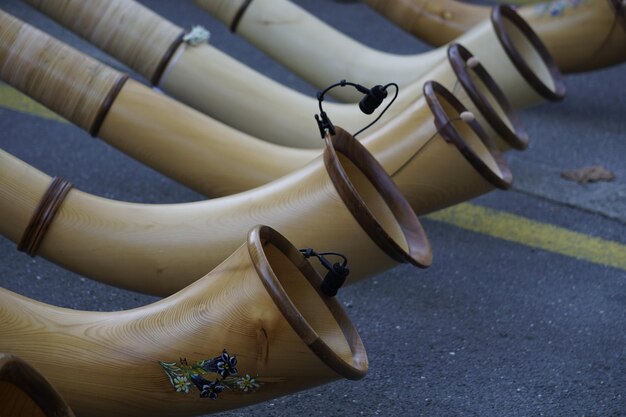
(184, 144)
(260, 313)
(273, 112)
(581, 35)
(302, 43)
(202, 76)
(442, 161)
(24, 392)
(343, 202)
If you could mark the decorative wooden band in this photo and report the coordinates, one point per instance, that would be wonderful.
(273, 280)
(418, 250)
(125, 29)
(165, 60)
(498, 15)
(516, 137)
(432, 92)
(106, 105)
(15, 371)
(70, 83)
(43, 216)
(239, 15)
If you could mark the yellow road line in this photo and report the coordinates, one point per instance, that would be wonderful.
(14, 100)
(535, 234)
(465, 216)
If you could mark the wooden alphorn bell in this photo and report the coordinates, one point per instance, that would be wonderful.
(174, 139)
(210, 81)
(255, 328)
(24, 392)
(505, 44)
(581, 36)
(343, 200)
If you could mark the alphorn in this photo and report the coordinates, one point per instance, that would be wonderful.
(580, 35)
(255, 328)
(188, 146)
(24, 392)
(505, 44)
(344, 201)
(212, 82)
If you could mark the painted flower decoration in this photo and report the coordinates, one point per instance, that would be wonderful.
(224, 365)
(247, 384)
(207, 389)
(182, 384)
(183, 375)
(558, 7)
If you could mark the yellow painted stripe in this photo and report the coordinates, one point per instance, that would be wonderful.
(465, 216)
(14, 100)
(535, 234)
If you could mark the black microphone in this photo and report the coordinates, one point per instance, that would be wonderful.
(373, 98)
(337, 272)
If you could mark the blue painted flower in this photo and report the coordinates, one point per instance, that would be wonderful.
(224, 365)
(207, 389)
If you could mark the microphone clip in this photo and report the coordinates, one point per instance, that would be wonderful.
(337, 272)
(324, 124)
(371, 100)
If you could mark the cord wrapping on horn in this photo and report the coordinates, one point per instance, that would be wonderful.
(43, 216)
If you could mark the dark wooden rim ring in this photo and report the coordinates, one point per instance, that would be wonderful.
(501, 12)
(43, 216)
(15, 371)
(620, 11)
(419, 251)
(167, 57)
(517, 137)
(106, 105)
(239, 15)
(259, 237)
(431, 90)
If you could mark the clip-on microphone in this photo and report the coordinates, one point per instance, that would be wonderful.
(337, 272)
(371, 101)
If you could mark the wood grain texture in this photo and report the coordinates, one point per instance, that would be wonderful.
(205, 78)
(302, 43)
(261, 305)
(147, 41)
(202, 153)
(166, 247)
(583, 37)
(73, 85)
(24, 392)
(274, 113)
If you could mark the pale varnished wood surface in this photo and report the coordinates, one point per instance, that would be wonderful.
(75, 86)
(166, 247)
(302, 43)
(582, 38)
(107, 364)
(205, 78)
(212, 158)
(147, 40)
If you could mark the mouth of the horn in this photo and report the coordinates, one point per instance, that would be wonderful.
(468, 137)
(528, 53)
(487, 97)
(32, 394)
(294, 285)
(375, 201)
